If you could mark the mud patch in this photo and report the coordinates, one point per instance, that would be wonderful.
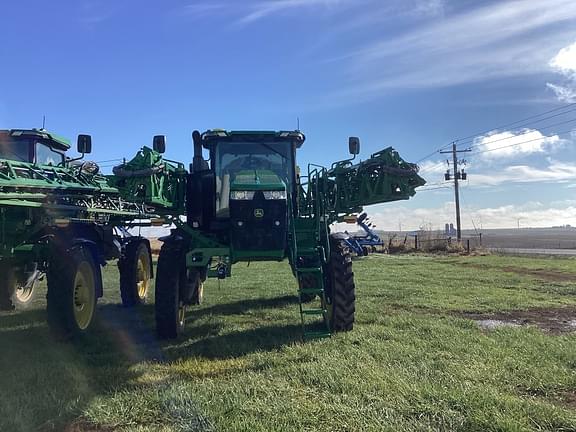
(541, 274)
(569, 398)
(82, 425)
(552, 320)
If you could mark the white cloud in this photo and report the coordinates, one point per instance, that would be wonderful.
(508, 144)
(503, 39)
(264, 9)
(432, 167)
(563, 93)
(429, 7)
(355, 12)
(564, 62)
(388, 217)
(200, 9)
(553, 171)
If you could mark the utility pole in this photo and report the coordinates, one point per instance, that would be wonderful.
(457, 176)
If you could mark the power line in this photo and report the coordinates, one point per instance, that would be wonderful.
(520, 143)
(431, 168)
(523, 133)
(434, 188)
(109, 160)
(524, 120)
(434, 153)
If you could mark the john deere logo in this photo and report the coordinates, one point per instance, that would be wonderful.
(258, 213)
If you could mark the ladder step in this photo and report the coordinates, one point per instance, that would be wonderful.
(314, 311)
(317, 335)
(311, 291)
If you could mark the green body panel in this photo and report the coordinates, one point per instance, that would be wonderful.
(36, 200)
(346, 187)
(153, 180)
(252, 180)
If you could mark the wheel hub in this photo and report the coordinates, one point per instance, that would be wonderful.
(143, 275)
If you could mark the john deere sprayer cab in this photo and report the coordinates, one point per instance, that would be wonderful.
(61, 219)
(251, 203)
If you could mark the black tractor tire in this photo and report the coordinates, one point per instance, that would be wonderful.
(170, 279)
(14, 294)
(365, 251)
(7, 284)
(135, 268)
(74, 281)
(341, 295)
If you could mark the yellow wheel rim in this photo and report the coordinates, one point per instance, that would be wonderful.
(84, 295)
(143, 275)
(23, 294)
(200, 291)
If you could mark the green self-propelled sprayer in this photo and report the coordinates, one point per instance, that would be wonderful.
(61, 219)
(251, 203)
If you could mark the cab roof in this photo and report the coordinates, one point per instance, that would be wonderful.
(53, 140)
(221, 134)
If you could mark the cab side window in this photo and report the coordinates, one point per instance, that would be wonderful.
(44, 155)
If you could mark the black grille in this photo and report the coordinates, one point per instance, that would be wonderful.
(258, 224)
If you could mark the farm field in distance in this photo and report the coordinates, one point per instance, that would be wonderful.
(480, 343)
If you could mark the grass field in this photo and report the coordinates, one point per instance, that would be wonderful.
(416, 360)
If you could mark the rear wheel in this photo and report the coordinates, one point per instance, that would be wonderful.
(74, 279)
(170, 279)
(365, 251)
(17, 288)
(340, 293)
(135, 273)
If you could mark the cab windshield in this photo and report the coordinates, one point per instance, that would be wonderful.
(233, 157)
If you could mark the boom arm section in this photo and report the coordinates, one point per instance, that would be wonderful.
(346, 187)
(152, 180)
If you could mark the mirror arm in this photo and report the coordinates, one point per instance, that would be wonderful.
(76, 159)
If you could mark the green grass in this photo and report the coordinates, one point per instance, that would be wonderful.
(411, 363)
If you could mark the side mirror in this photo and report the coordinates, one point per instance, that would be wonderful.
(159, 143)
(84, 144)
(354, 145)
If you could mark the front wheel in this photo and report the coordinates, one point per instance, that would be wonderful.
(135, 268)
(74, 280)
(171, 277)
(341, 290)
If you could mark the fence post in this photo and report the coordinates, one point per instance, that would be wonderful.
(416, 242)
(468, 245)
(480, 234)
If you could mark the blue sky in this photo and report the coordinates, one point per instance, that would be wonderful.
(413, 74)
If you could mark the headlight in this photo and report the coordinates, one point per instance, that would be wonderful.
(241, 195)
(275, 195)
